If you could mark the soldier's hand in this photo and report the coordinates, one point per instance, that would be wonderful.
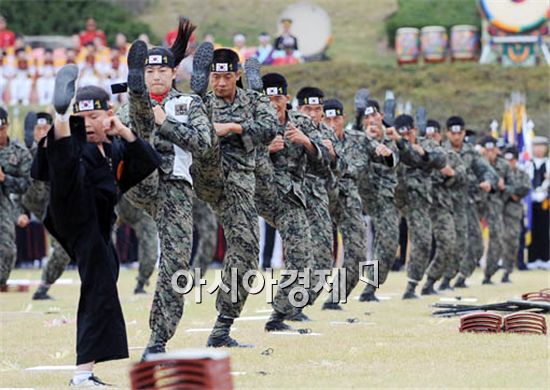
(448, 171)
(276, 145)
(222, 129)
(419, 149)
(392, 134)
(40, 131)
(500, 184)
(2, 175)
(330, 147)
(23, 221)
(295, 135)
(515, 198)
(383, 150)
(160, 115)
(114, 127)
(485, 186)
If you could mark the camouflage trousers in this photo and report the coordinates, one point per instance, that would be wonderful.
(265, 197)
(56, 264)
(385, 217)
(511, 241)
(206, 226)
(419, 224)
(475, 243)
(239, 219)
(145, 229)
(7, 247)
(293, 225)
(170, 203)
(460, 259)
(320, 225)
(349, 221)
(496, 238)
(444, 233)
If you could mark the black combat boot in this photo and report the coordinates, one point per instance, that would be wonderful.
(140, 288)
(445, 284)
(460, 283)
(276, 324)
(41, 293)
(428, 288)
(220, 335)
(409, 292)
(368, 295)
(506, 278)
(487, 280)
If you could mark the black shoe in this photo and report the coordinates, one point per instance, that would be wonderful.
(428, 288)
(30, 123)
(151, 350)
(137, 55)
(65, 87)
(487, 280)
(277, 326)
(202, 60)
(506, 278)
(361, 100)
(460, 283)
(299, 317)
(368, 296)
(445, 285)
(140, 288)
(225, 341)
(331, 306)
(253, 76)
(41, 294)
(409, 292)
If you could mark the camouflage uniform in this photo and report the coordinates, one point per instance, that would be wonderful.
(318, 185)
(358, 151)
(377, 190)
(519, 185)
(443, 208)
(146, 233)
(36, 201)
(495, 214)
(236, 204)
(468, 229)
(15, 161)
(206, 226)
(167, 196)
(290, 165)
(414, 200)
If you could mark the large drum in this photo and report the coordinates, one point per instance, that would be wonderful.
(464, 43)
(434, 43)
(406, 45)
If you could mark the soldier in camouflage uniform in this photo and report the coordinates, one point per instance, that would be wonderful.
(206, 226)
(177, 126)
(446, 183)
(495, 206)
(515, 190)
(420, 157)
(243, 120)
(146, 233)
(359, 152)
(15, 165)
(296, 147)
(481, 178)
(377, 189)
(36, 201)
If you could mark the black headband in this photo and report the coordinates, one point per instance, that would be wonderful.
(90, 105)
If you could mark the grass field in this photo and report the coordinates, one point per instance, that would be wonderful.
(395, 343)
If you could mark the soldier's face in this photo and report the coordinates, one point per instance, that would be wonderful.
(436, 136)
(159, 79)
(40, 131)
(540, 151)
(95, 127)
(224, 84)
(314, 111)
(4, 134)
(373, 124)
(491, 154)
(456, 139)
(279, 102)
(410, 135)
(336, 123)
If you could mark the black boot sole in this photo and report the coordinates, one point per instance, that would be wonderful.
(136, 67)
(201, 68)
(253, 76)
(65, 87)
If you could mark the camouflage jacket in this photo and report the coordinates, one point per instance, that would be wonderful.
(190, 127)
(15, 161)
(291, 163)
(477, 169)
(448, 191)
(36, 197)
(254, 113)
(502, 168)
(518, 185)
(415, 171)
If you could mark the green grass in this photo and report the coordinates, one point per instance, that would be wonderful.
(395, 343)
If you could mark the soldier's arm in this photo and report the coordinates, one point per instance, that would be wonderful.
(319, 162)
(519, 187)
(261, 129)
(408, 155)
(484, 171)
(371, 146)
(195, 135)
(436, 155)
(19, 182)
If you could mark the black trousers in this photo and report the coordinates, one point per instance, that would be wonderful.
(540, 233)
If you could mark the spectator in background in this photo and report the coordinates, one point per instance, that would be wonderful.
(71, 56)
(286, 35)
(145, 38)
(4, 72)
(21, 79)
(287, 56)
(121, 43)
(115, 73)
(209, 37)
(91, 33)
(239, 46)
(45, 78)
(264, 52)
(7, 37)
